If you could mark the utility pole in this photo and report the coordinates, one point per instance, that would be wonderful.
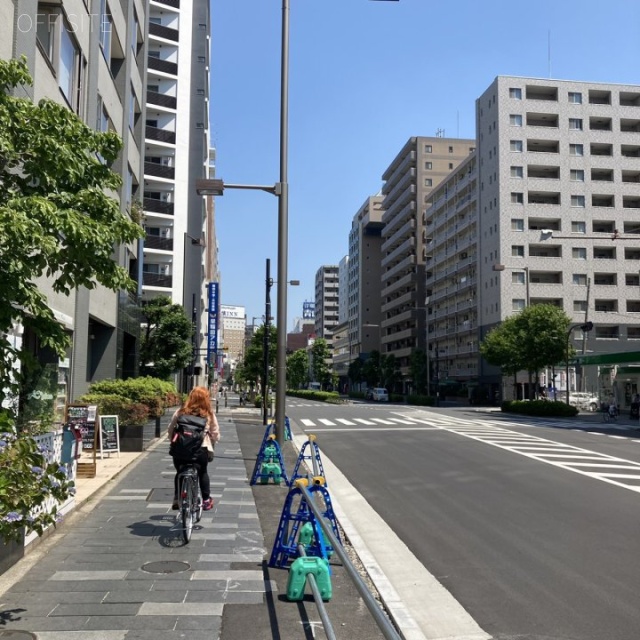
(267, 324)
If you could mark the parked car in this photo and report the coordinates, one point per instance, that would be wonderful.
(584, 400)
(380, 394)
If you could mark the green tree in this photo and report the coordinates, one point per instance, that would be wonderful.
(391, 376)
(56, 219)
(418, 367)
(253, 364)
(533, 339)
(298, 369)
(167, 341)
(320, 356)
(372, 369)
(355, 372)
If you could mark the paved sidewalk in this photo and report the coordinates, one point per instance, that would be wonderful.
(92, 579)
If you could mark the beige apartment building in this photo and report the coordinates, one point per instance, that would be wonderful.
(421, 165)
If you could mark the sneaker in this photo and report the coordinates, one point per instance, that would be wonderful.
(207, 504)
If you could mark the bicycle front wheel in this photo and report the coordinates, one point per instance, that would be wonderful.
(188, 516)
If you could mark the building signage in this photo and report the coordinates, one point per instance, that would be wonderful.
(212, 336)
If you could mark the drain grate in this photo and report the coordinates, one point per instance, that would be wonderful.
(18, 635)
(165, 566)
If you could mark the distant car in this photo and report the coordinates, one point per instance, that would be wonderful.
(315, 386)
(379, 395)
(584, 400)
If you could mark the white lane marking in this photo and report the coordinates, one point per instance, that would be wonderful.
(327, 422)
(308, 423)
(401, 421)
(347, 422)
(363, 421)
(381, 421)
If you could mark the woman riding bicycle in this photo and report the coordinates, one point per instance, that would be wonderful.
(197, 404)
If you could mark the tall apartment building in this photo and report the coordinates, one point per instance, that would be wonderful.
(234, 322)
(451, 223)
(91, 61)
(176, 153)
(363, 287)
(326, 302)
(421, 164)
(559, 199)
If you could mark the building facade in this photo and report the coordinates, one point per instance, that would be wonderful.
(326, 302)
(419, 166)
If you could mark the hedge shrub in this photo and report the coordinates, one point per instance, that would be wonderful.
(539, 408)
(332, 397)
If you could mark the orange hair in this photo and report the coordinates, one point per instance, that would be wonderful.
(198, 403)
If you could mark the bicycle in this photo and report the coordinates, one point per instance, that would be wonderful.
(190, 498)
(610, 414)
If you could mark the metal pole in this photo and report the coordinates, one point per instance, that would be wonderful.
(265, 351)
(283, 226)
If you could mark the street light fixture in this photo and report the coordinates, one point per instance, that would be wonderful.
(502, 267)
(586, 326)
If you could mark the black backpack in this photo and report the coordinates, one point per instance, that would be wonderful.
(188, 437)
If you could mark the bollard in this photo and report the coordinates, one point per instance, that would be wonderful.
(298, 571)
(158, 431)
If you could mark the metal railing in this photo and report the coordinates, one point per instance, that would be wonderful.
(381, 620)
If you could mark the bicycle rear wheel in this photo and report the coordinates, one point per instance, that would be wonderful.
(187, 501)
(198, 509)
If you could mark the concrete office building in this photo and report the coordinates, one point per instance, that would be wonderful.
(176, 153)
(363, 287)
(234, 322)
(419, 166)
(93, 63)
(326, 302)
(559, 209)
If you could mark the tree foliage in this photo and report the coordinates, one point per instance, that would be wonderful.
(298, 369)
(167, 341)
(253, 364)
(529, 341)
(418, 367)
(320, 356)
(355, 372)
(56, 218)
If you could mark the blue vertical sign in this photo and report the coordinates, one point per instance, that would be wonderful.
(212, 337)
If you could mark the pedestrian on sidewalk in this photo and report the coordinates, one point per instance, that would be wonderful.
(198, 405)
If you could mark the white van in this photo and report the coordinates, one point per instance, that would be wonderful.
(315, 386)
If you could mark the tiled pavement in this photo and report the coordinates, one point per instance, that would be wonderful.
(92, 583)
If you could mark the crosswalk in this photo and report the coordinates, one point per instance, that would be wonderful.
(499, 433)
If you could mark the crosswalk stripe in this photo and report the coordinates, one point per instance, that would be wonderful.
(327, 422)
(381, 421)
(401, 421)
(308, 423)
(363, 421)
(347, 422)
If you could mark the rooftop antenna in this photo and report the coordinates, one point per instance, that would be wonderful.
(549, 51)
(439, 133)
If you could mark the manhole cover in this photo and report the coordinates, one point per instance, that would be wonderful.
(166, 566)
(18, 635)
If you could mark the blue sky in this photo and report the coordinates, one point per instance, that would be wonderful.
(364, 77)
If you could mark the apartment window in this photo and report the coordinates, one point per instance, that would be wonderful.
(450, 149)
(517, 304)
(428, 148)
(106, 23)
(575, 124)
(575, 97)
(516, 145)
(580, 305)
(577, 201)
(576, 175)
(579, 253)
(517, 197)
(102, 123)
(515, 120)
(450, 166)
(576, 150)
(517, 251)
(580, 279)
(517, 277)
(515, 93)
(517, 172)
(517, 224)
(132, 109)
(70, 68)
(428, 166)
(578, 226)
(134, 34)
(428, 182)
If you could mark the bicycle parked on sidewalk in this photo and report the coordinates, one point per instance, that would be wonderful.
(190, 499)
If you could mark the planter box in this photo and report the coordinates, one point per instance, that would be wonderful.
(10, 553)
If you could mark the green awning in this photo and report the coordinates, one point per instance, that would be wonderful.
(609, 358)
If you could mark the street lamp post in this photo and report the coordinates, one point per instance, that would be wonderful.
(281, 190)
(267, 325)
(502, 267)
(586, 326)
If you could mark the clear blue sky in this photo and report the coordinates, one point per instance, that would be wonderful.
(365, 76)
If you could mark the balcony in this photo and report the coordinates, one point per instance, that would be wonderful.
(163, 32)
(164, 66)
(174, 4)
(161, 99)
(159, 243)
(155, 280)
(161, 135)
(159, 170)
(157, 206)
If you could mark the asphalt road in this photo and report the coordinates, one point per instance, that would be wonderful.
(533, 527)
